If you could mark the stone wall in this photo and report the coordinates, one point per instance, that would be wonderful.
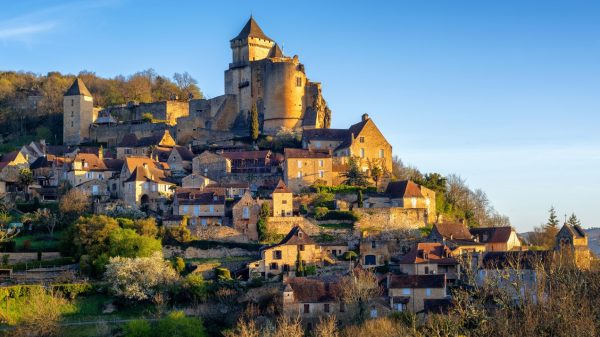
(113, 134)
(390, 218)
(217, 233)
(196, 253)
(283, 225)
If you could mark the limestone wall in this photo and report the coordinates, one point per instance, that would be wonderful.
(217, 233)
(283, 225)
(113, 134)
(390, 218)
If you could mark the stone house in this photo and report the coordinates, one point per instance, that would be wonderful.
(249, 161)
(94, 174)
(362, 141)
(47, 172)
(311, 300)
(412, 292)
(245, 213)
(180, 160)
(457, 237)
(202, 208)
(302, 168)
(211, 165)
(407, 194)
(572, 243)
(430, 258)
(335, 249)
(11, 165)
(283, 201)
(497, 239)
(284, 256)
(131, 145)
(143, 188)
(195, 180)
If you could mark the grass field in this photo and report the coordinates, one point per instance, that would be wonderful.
(39, 241)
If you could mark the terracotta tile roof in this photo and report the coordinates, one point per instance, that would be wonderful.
(417, 281)
(251, 29)
(308, 290)
(281, 188)
(264, 154)
(492, 234)
(78, 88)
(303, 153)
(131, 162)
(403, 189)
(425, 252)
(94, 163)
(453, 231)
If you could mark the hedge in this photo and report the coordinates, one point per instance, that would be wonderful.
(69, 290)
(339, 215)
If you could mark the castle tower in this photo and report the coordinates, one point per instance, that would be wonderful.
(78, 113)
(251, 44)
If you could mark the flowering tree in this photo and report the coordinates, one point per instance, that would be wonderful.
(141, 278)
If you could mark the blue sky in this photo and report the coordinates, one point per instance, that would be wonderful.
(504, 93)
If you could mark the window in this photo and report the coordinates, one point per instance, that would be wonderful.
(342, 307)
(273, 266)
(362, 152)
(361, 139)
(405, 291)
(298, 81)
(321, 163)
(246, 213)
(307, 308)
(72, 102)
(203, 222)
(299, 174)
(413, 201)
(185, 209)
(95, 189)
(381, 153)
(321, 174)
(299, 163)
(301, 248)
(318, 145)
(153, 187)
(399, 307)
(426, 270)
(373, 244)
(373, 313)
(212, 209)
(428, 292)
(72, 113)
(276, 255)
(71, 123)
(284, 202)
(326, 307)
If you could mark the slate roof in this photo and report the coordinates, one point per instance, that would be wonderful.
(7, 158)
(295, 237)
(303, 153)
(576, 231)
(275, 51)
(251, 29)
(403, 189)
(131, 140)
(326, 134)
(184, 153)
(114, 164)
(417, 281)
(492, 234)
(425, 252)
(198, 197)
(78, 88)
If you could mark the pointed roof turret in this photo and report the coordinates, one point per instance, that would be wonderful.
(251, 29)
(78, 88)
(281, 188)
(275, 51)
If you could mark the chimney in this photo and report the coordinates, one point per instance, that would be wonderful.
(101, 153)
(145, 165)
(365, 117)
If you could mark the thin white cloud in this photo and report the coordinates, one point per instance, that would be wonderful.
(25, 31)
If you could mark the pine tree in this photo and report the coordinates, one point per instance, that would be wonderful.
(354, 176)
(551, 228)
(573, 220)
(254, 123)
(299, 265)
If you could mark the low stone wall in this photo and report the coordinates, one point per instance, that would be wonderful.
(256, 179)
(283, 225)
(217, 233)
(30, 257)
(196, 253)
(390, 218)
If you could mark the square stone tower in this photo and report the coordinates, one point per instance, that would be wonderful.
(78, 113)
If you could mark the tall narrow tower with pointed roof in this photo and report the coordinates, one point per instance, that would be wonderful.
(78, 113)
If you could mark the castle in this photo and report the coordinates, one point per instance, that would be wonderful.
(260, 76)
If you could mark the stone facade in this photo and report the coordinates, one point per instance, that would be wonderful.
(211, 165)
(283, 224)
(302, 168)
(113, 134)
(283, 201)
(78, 114)
(167, 111)
(390, 218)
(245, 215)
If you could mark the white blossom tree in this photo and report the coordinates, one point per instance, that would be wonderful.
(141, 278)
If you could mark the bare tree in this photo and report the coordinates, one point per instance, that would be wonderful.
(358, 288)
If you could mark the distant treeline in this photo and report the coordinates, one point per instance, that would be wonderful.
(31, 104)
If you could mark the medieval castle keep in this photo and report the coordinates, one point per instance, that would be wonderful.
(259, 75)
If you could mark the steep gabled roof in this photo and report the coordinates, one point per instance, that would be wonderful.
(243, 155)
(275, 51)
(492, 234)
(251, 29)
(281, 188)
(575, 231)
(143, 173)
(94, 163)
(403, 189)
(184, 152)
(295, 237)
(425, 252)
(78, 88)
(452, 231)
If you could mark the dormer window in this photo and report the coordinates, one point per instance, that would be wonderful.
(299, 234)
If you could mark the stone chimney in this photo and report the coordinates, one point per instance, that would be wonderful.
(365, 117)
(101, 153)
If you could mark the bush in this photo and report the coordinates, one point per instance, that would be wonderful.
(321, 212)
(71, 290)
(223, 274)
(324, 199)
(179, 264)
(137, 328)
(176, 324)
(335, 215)
(350, 255)
(8, 246)
(310, 270)
(196, 286)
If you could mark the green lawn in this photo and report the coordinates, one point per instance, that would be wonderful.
(39, 241)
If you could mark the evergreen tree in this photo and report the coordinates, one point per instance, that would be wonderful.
(254, 123)
(573, 220)
(359, 198)
(299, 265)
(551, 228)
(354, 176)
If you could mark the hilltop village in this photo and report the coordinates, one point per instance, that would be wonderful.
(255, 190)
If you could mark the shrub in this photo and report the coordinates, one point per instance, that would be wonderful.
(176, 324)
(71, 290)
(137, 328)
(196, 286)
(179, 264)
(223, 274)
(321, 212)
(310, 270)
(350, 255)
